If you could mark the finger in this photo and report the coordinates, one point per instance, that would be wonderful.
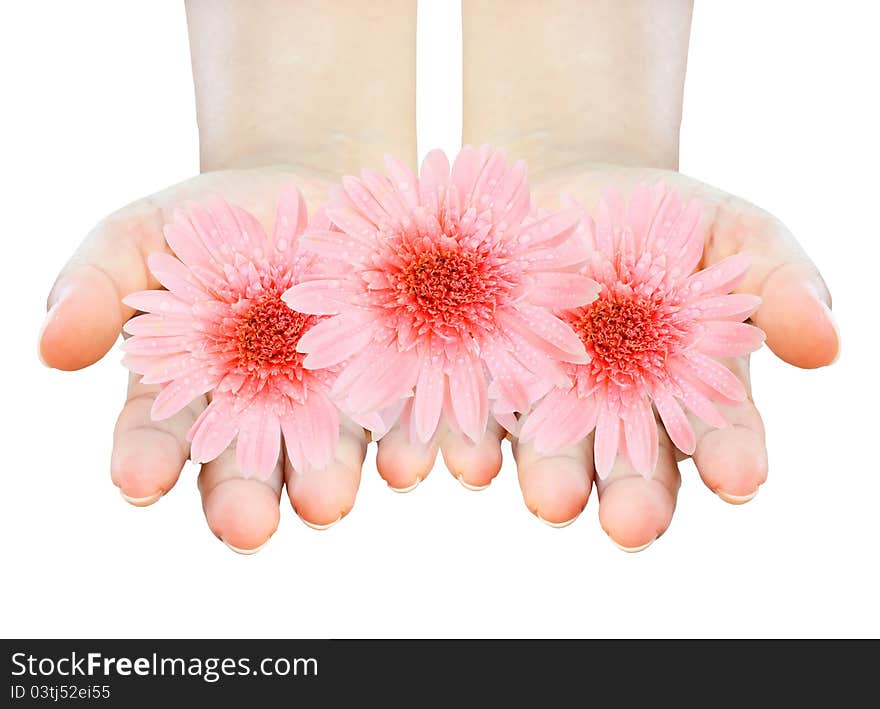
(555, 487)
(149, 455)
(85, 310)
(633, 510)
(242, 512)
(402, 463)
(322, 497)
(732, 461)
(795, 311)
(474, 464)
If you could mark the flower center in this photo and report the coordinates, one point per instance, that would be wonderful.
(629, 338)
(266, 334)
(447, 289)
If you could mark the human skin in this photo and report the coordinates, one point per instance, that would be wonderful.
(601, 107)
(286, 93)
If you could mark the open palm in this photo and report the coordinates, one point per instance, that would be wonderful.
(86, 315)
(732, 461)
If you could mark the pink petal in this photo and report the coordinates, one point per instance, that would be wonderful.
(664, 215)
(719, 278)
(179, 393)
(640, 432)
(259, 441)
(714, 374)
(158, 301)
(433, 177)
(467, 388)
(319, 297)
(164, 369)
(736, 306)
(562, 291)
(467, 166)
(150, 325)
(334, 340)
(694, 399)
(512, 200)
(675, 422)
(721, 338)
(557, 225)
(334, 245)
(428, 403)
(156, 346)
(176, 277)
(569, 423)
(607, 441)
(212, 432)
(188, 247)
(549, 332)
(353, 223)
(393, 379)
(368, 359)
(510, 379)
(319, 421)
(291, 219)
(610, 213)
(404, 179)
(688, 238)
(362, 200)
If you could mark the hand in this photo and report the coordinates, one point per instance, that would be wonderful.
(86, 314)
(794, 313)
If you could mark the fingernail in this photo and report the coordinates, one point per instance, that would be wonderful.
(735, 499)
(406, 489)
(474, 488)
(556, 525)
(244, 552)
(141, 501)
(834, 324)
(632, 550)
(321, 527)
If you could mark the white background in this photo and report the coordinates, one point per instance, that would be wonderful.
(781, 108)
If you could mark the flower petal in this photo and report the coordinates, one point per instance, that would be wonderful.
(640, 432)
(736, 306)
(428, 404)
(551, 334)
(721, 338)
(467, 389)
(291, 219)
(178, 394)
(607, 441)
(213, 431)
(176, 277)
(562, 291)
(675, 421)
(721, 277)
(259, 441)
(334, 340)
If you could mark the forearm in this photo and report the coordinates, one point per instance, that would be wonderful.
(325, 85)
(564, 81)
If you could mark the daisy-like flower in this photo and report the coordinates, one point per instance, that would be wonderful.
(221, 327)
(651, 335)
(440, 290)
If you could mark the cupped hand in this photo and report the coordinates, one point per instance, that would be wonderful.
(86, 314)
(794, 313)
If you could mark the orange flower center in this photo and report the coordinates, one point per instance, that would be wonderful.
(267, 333)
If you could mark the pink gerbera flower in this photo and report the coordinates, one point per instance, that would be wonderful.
(221, 327)
(651, 334)
(441, 287)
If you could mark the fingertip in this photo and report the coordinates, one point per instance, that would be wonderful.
(145, 465)
(634, 511)
(473, 465)
(82, 324)
(403, 465)
(243, 513)
(323, 497)
(799, 324)
(556, 490)
(732, 463)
